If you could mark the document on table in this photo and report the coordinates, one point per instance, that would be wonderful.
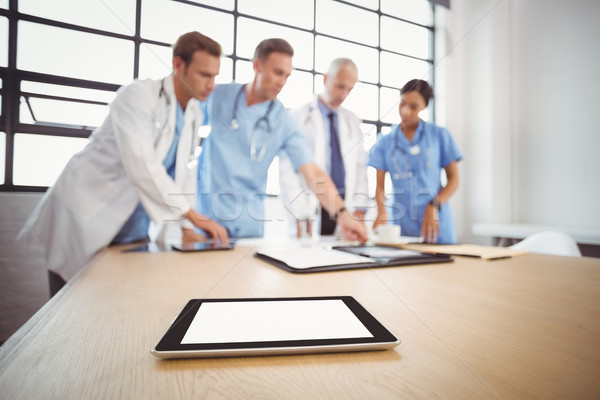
(309, 257)
(471, 250)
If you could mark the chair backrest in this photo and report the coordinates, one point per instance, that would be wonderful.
(550, 242)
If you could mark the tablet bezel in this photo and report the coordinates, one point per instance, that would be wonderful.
(170, 345)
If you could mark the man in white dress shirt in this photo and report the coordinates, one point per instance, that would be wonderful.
(335, 136)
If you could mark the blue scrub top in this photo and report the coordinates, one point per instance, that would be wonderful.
(415, 177)
(231, 185)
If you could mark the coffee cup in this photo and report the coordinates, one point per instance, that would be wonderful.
(388, 233)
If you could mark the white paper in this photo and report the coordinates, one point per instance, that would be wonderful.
(263, 321)
(308, 257)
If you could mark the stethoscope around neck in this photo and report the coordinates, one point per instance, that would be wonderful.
(256, 153)
(413, 150)
(160, 123)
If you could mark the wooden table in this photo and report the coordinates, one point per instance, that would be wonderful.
(521, 328)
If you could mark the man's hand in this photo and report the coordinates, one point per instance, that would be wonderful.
(351, 227)
(190, 235)
(214, 230)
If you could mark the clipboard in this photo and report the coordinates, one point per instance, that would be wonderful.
(337, 258)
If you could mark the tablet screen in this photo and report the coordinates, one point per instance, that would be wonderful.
(264, 321)
(225, 327)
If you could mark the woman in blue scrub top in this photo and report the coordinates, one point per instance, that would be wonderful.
(414, 154)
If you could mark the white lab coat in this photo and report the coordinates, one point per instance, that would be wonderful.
(121, 165)
(295, 192)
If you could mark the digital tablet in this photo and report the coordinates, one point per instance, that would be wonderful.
(389, 255)
(269, 326)
(202, 246)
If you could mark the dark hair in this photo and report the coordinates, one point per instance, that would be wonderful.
(418, 85)
(273, 45)
(190, 42)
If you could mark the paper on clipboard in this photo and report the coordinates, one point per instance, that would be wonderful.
(310, 257)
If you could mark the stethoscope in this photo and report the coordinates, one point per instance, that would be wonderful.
(161, 122)
(413, 150)
(255, 130)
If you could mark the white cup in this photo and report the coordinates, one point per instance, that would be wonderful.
(387, 233)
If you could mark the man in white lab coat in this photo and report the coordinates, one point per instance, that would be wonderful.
(140, 164)
(330, 128)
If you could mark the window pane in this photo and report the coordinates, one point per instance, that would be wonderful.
(369, 135)
(155, 61)
(2, 156)
(226, 71)
(243, 71)
(67, 91)
(4, 4)
(4, 39)
(397, 70)
(297, 90)
(412, 10)
(347, 22)
(156, 25)
(251, 33)
(372, 4)
(365, 58)
(62, 112)
(40, 159)
(74, 54)
(109, 15)
(298, 12)
(390, 100)
(392, 32)
(362, 100)
(223, 4)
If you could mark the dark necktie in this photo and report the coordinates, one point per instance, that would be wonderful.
(338, 172)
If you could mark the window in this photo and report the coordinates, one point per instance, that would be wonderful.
(65, 60)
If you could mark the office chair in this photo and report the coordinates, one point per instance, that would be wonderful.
(549, 242)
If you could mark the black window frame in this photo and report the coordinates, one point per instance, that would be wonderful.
(12, 95)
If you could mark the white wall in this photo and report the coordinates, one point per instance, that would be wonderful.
(519, 82)
(558, 181)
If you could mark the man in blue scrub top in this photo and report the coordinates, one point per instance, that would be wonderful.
(249, 128)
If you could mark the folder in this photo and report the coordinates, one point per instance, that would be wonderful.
(320, 258)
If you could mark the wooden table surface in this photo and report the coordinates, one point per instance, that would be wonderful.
(520, 328)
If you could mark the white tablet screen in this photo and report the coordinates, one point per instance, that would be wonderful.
(263, 321)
